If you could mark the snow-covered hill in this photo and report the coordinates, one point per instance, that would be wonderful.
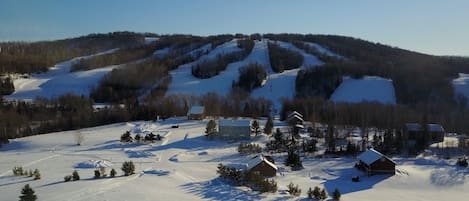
(183, 167)
(370, 88)
(59, 81)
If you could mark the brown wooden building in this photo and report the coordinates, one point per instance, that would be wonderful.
(262, 165)
(373, 162)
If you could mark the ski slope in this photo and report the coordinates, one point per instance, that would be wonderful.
(59, 81)
(183, 82)
(282, 85)
(461, 85)
(370, 88)
(183, 167)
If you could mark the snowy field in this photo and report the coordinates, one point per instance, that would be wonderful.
(59, 81)
(183, 167)
(370, 88)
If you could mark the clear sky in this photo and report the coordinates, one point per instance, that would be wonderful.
(438, 27)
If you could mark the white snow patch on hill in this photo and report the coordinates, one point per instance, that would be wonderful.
(282, 85)
(324, 50)
(309, 60)
(183, 82)
(461, 85)
(59, 80)
(370, 88)
(149, 40)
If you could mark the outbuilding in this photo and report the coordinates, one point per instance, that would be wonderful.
(373, 162)
(262, 164)
(196, 113)
(229, 129)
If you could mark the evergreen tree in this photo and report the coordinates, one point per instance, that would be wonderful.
(269, 125)
(336, 194)
(75, 175)
(294, 190)
(255, 127)
(30, 173)
(67, 178)
(126, 137)
(27, 194)
(138, 138)
(97, 174)
(211, 127)
(323, 195)
(113, 172)
(128, 168)
(316, 193)
(293, 160)
(37, 174)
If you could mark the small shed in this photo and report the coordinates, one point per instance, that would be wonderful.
(295, 118)
(416, 132)
(263, 165)
(229, 129)
(196, 113)
(373, 162)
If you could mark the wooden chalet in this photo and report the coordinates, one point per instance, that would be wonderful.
(373, 162)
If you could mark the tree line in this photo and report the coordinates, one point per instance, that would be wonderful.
(34, 57)
(282, 59)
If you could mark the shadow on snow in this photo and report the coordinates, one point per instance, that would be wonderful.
(216, 189)
(344, 180)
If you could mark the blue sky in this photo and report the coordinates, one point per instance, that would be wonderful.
(430, 26)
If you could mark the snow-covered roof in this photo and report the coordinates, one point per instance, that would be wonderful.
(196, 110)
(295, 113)
(258, 159)
(435, 128)
(231, 122)
(370, 156)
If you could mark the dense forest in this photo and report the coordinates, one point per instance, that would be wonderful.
(251, 76)
(282, 59)
(209, 68)
(24, 57)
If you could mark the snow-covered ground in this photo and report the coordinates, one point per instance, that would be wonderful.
(461, 85)
(183, 167)
(282, 85)
(183, 82)
(370, 88)
(59, 80)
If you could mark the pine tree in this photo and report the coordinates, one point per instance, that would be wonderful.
(211, 127)
(67, 178)
(269, 125)
(255, 127)
(97, 174)
(37, 174)
(138, 138)
(128, 168)
(336, 194)
(113, 172)
(30, 173)
(294, 190)
(75, 175)
(27, 194)
(310, 193)
(317, 192)
(323, 195)
(293, 160)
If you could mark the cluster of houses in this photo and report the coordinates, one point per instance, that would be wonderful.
(370, 161)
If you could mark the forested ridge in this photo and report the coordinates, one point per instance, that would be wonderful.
(422, 82)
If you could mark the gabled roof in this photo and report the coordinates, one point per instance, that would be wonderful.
(370, 156)
(231, 122)
(258, 159)
(295, 113)
(196, 110)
